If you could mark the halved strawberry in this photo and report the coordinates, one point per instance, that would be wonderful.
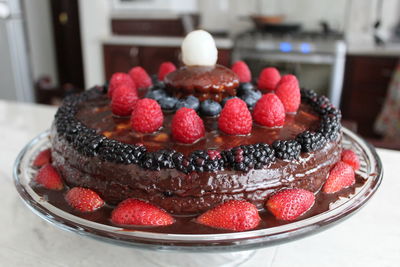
(351, 158)
(289, 204)
(43, 158)
(341, 176)
(49, 178)
(235, 215)
(83, 199)
(137, 212)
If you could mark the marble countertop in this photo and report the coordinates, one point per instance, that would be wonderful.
(369, 238)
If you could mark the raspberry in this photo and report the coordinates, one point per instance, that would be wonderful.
(268, 79)
(269, 111)
(187, 126)
(165, 68)
(242, 70)
(117, 79)
(147, 116)
(123, 100)
(140, 77)
(235, 118)
(351, 158)
(288, 91)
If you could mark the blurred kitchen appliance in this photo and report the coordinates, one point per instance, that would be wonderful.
(15, 77)
(317, 58)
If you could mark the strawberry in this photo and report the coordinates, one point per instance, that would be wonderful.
(140, 77)
(235, 118)
(289, 204)
(117, 79)
(49, 178)
(165, 68)
(341, 176)
(268, 79)
(187, 127)
(288, 91)
(242, 70)
(43, 158)
(269, 111)
(123, 100)
(235, 215)
(83, 199)
(137, 212)
(351, 158)
(147, 116)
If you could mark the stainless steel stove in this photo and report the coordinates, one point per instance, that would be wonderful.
(317, 59)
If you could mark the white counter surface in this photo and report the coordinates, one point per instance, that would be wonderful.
(369, 238)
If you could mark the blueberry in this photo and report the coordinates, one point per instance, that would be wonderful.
(226, 99)
(210, 108)
(188, 102)
(158, 85)
(168, 103)
(244, 88)
(156, 94)
(251, 98)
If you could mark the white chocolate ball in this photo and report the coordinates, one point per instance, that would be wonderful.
(198, 48)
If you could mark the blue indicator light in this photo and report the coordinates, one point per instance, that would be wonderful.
(305, 48)
(285, 47)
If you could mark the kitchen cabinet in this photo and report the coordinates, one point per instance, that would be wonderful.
(365, 86)
(121, 58)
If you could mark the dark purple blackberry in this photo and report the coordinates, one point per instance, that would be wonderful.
(287, 149)
(308, 95)
(244, 158)
(310, 141)
(201, 161)
(168, 103)
(210, 108)
(226, 99)
(188, 102)
(244, 88)
(330, 127)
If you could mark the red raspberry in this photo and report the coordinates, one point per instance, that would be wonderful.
(140, 77)
(123, 100)
(351, 158)
(235, 118)
(117, 79)
(83, 199)
(341, 176)
(269, 111)
(288, 91)
(147, 116)
(268, 79)
(187, 126)
(242, 70)
(165, 68)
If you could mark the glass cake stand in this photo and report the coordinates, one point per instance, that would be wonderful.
(371, 170)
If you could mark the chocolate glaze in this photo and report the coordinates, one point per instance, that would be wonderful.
(205, 82)
(196, 192)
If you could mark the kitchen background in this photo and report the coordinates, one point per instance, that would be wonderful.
(346, 49)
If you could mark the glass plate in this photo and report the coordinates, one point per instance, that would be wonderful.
(371, 170)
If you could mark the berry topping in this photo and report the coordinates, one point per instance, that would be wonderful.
(147, 116)
(244, 88)
(187, 127)
(156, 94)
(83, 199)
(242, 70)
(289, 149)
(235, 118)
(269, 111)
(289, 204)
(165, 68)
(123, 100)
(43, 158)
(140, 77)
(117, 79)
(168, 103)
(310, 141)
(351, 158)
(288, 91)
(244, 158)
(137, 212)
(268, 79)
(251, 97)
(213, 154)
(223, 102)
(188, 102)
(49, 178)
(210, 108)
(235, 215)
(341, 176)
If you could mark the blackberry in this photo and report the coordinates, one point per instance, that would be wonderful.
(201, 161)
(188, 102)
(156, 94)
(287, 149)
(168, 103)
(244, 88)
(308, 95)
(251, 98)
(244, 158)
(210, 108)
(310, 141)
(330, 126)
